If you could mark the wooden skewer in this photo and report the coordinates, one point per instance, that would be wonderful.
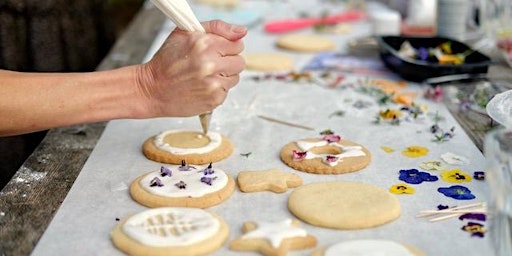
(448, 210)
(453, 212)
(285, 123)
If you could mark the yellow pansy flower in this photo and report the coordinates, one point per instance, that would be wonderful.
(387, 149)
(390, 113)
(401, 188)
(455, 176)
(415, 151)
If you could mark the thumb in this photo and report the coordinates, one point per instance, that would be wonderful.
(226, 30)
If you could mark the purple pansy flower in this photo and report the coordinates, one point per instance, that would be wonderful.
(184, 167)
(181, 185)
(413, 176)
(207, 180)
(457, 192)
(473, 216)
(156, 182)
(164, 171)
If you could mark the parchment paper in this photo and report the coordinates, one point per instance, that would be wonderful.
(99, 196)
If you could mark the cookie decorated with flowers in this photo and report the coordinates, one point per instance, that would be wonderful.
(328, 154)
(173, 146)
(170, 231)
(184, 185)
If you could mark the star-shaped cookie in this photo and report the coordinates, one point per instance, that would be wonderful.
(272, 179)
(273, 238)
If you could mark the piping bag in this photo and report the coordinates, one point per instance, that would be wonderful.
(179, 12)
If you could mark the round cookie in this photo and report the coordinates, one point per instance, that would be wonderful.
(266, 61)
(369, 247)
(322, 156)
(173, 146)
(170, 231)
(305, 43)
(186, 186)
(343, 205)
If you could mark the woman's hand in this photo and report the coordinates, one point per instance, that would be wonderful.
(193, 71)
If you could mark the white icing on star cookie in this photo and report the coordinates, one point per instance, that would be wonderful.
(275, 232)
(171, 226)
(215, 142)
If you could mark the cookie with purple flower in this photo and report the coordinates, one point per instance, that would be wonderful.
(328, 154)
(183, 185)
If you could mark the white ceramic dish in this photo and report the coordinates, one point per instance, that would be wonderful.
(499, 108)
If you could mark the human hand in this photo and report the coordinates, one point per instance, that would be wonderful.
(192, 71)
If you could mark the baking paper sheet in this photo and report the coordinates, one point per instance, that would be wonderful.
(100, 196)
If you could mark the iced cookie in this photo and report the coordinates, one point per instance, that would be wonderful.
(343, 205)
(274, 180)
(305, 43)
(267, 61)
(170, 231)
(273, 238)
(173, 146)
(184, 185)
(369, 247)
(329, 154)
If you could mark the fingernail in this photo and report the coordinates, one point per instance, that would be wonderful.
(238, 29)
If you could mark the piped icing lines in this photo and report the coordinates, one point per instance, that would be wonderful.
(273, 238)
(367, 247)
(215, 140)
(184, 181)
(329, 159)
(171, 226)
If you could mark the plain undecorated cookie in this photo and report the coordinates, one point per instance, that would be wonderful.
(170, 231)
(305, 43)
(344, 205)
(274, 180)
(174, 146)
(319, 165)
(267, 61)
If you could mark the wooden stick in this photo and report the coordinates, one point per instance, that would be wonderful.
(285, 123)
(448, 210)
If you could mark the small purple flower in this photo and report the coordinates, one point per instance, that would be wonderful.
(208, 180)
(164, 171)
(479, 175)
(156, 182)
(423, 53)
(181, 185)
(473, 216)
(330, 138)
(184, 167)
(413, 176)
(457, 192)
(209, 170)
(297, 156)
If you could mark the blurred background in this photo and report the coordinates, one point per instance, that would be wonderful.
(54, 36)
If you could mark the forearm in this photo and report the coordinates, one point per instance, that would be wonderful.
(38, 101)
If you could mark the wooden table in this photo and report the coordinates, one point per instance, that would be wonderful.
(29, 201)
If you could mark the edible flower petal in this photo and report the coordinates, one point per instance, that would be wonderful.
(413, 176)
(184, 167)
(475, 229)
(415, 151)
(479, 175)
(297, 156)
(208, 170)
(402, 188)
(331, 159)
(181, 185)
(473, 216)
(164, 171)
(331, 138)
(455, 176)
(457, 192)
(433, 165)
(156, 182)
(207, 180)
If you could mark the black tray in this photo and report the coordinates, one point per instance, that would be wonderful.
(419, 70)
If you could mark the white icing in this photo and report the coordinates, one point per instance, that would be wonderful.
(346, 151)
(275, 232)
(368, 247)
(171, 226)
(192, 179)
(215, 141)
